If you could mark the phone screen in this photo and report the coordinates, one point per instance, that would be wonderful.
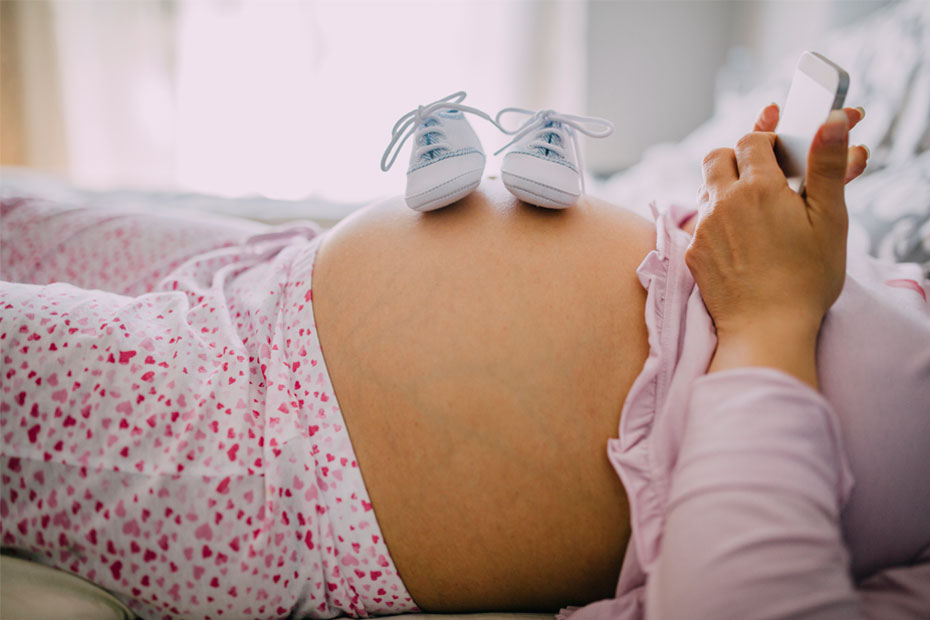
(818, 87)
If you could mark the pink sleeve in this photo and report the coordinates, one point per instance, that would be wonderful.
(752, 527)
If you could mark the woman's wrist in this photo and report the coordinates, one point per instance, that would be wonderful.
(787, 343)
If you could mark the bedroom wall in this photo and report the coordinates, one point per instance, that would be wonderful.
(651, 72)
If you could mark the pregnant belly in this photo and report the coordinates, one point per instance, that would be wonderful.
(481, 355)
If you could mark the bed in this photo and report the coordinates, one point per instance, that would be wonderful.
(888, 56)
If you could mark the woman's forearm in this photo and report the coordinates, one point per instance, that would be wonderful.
(752, 528)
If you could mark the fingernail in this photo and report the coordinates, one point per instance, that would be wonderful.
(861, 112)
(868, 153)
(834, 130)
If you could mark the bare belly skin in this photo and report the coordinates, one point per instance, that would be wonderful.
(481, 355)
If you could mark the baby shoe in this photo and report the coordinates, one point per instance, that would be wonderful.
(447, 161)
(543, 166)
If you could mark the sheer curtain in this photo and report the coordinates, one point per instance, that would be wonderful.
(115, 66)
(293, 98)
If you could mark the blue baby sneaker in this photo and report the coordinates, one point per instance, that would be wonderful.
(543, 166)
(447, 161)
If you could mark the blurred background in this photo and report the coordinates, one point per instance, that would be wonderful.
(289, 99)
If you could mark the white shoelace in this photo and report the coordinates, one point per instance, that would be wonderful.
(414, 122)
(541, 122)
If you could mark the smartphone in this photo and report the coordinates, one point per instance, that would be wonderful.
(818, 87)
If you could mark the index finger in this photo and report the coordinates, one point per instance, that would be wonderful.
(768, 118)
(755, 155)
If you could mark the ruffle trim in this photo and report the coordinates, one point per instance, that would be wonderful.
(667, 282)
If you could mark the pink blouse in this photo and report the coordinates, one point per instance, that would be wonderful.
(754, 496)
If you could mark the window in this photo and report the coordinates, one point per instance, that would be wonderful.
(290, 99)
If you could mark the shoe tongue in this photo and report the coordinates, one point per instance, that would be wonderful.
(429, 138)
(551, 138)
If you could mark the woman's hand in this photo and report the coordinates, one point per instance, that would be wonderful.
(769, 263)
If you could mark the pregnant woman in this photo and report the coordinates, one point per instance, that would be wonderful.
(182, 441)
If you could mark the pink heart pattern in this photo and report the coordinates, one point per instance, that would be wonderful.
(178, 441)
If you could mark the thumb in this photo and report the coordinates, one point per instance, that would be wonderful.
(826, 166)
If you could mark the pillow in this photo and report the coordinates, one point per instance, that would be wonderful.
(889, 213)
